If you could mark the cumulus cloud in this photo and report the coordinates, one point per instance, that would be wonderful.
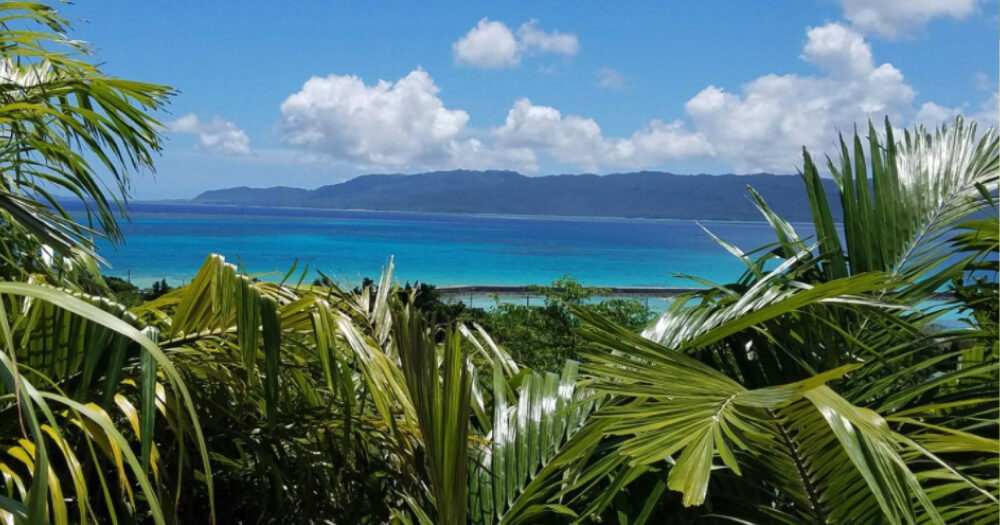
(492, 45)
(761, 126)
(489, 45)
(607, 78)
(405, 124)
(932, 115)
(579, 141)
(838, 50)
(895, 18)
(397, 124)
(988, 112)
(764, 126)
(532, 40)
(392, 123)
(216, 135)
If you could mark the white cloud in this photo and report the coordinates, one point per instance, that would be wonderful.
(216, 135)
(404, 124)
(492, 45)
(838, 50)
(765, 126)
(608, 78)
(390, 124)
(895, 18)
(489, 45)
(532, 40)
(762, 126)
(987, 114)
(475, 154)
(931, 115)
(579, 141)
(989, 111)
(661, 141)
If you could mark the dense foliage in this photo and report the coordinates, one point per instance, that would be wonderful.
(817, 387)
(128, 294)
(542, 336)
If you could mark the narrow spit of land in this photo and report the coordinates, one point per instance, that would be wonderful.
(608, 291)
(617, 291)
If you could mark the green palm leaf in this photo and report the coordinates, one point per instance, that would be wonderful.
(548, 410)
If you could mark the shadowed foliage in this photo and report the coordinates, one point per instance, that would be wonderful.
(820, 386)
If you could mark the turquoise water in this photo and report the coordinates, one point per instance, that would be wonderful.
(170, 241)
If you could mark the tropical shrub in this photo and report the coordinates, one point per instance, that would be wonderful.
(544, 337)
(817, 387)
(906, 429)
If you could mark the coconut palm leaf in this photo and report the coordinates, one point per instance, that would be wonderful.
(898, 218)
(440, 389)
(43, 334)
(62, 122)
(904, 205)
(547, 411)
(673, 404)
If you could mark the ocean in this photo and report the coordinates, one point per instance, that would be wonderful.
(170, 241)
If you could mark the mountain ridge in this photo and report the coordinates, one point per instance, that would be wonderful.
(643, 194)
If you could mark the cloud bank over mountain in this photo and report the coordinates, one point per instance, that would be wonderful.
(760, 125)
(405, 124)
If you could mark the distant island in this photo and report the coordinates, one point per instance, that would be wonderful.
(646, 194)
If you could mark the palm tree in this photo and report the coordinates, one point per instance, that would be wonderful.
(816, 388)
(350, 406)
(75, 374)
(62, 122)
(768, 399)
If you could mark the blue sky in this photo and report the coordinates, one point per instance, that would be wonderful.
(289, 93)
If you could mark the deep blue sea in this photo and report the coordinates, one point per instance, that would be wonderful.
(170, 241)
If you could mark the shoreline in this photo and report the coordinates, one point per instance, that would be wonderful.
(487, 215)
(487, 290)
(534, 290)
(451, 290)
(604, 291)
